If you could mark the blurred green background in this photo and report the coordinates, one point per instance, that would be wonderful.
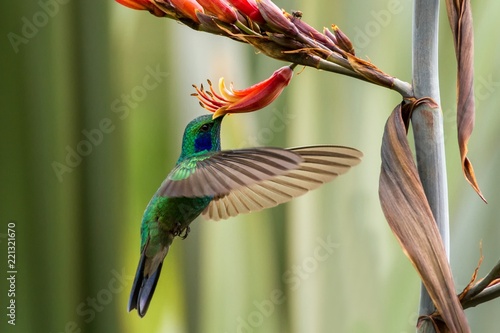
(115, 84)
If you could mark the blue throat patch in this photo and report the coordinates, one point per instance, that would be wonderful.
(203, 142)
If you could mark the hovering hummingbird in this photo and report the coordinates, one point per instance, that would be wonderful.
(220, 184)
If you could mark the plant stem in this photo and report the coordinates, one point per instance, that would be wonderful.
(427, 127)
(484, 296)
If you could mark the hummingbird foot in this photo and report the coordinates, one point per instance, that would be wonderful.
(181, 232)
(186, 232)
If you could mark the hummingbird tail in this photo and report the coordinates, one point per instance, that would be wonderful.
(143, 287)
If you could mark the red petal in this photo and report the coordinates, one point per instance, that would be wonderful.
(142, 5)
(135, 4)
(246, 100)
(221, 9)
(262, 94)
(249, 8)
(280, 76)
(188, 8)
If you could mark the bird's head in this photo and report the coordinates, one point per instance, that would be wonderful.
(201, 135)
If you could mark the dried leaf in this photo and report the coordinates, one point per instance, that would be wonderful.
(370, 71)
(408, 213)
(473, 278)
(460, 17)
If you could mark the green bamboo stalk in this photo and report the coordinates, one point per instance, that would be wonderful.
(427, 127)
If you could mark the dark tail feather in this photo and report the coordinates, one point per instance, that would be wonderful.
(143, 288)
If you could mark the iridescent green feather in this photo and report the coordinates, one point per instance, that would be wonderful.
(163, 213)
(187, 167)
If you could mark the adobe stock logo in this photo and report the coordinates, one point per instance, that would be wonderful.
(381, 19)
(97, 303)
(121, 108)
(31, 26)
(292, 278)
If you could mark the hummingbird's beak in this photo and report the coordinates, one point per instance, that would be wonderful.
(219, 113)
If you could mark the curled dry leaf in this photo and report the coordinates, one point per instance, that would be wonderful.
(370, 71)
(460, 17)
(408, 213)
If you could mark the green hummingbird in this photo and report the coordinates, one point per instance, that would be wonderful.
(219, 184)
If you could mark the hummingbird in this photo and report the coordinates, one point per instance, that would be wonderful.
(219, 184)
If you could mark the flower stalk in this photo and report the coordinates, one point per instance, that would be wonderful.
(272, 31)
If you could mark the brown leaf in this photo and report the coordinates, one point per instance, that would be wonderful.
(473, 278)
(370, 71)
(408, 213)
(460, 17)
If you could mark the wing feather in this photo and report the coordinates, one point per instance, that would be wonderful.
(247, 180)
(319, 164)
(219, 173)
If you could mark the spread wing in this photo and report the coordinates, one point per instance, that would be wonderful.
(317, 165)
(218, 173)
(246, 180)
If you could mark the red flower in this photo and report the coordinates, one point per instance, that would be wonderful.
(250, 99)
(188, 8)
(221, 9)
(143, 5)
(249, 8)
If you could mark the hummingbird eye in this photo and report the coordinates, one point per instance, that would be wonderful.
(205, 128)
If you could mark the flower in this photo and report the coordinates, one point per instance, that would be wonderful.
(275, 18)
(249, 8)
(221, 9)
(256, 97)
(188, 8)
(143, 5)
(342, 40)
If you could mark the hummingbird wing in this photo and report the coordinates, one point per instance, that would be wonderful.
(319, 164)
(248, 180)
(218, 173)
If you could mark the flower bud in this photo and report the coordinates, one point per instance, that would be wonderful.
(275, 18)
(221, 9)
(249, 8)
(187, 8)
(342, 40)
(142, 5)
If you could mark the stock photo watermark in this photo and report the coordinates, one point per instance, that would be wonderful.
(31, 25)
(485, 87)
(88, 309)
(95, 136)
(11, 272)
(293, 279)
(278, 121)
(381, 19)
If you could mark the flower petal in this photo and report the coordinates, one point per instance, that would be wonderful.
(275, 18)
(188, 8)
(142, 5)
(249, 8)
(230, 100)
(134, 4)
(221, 9)
(228, 94)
